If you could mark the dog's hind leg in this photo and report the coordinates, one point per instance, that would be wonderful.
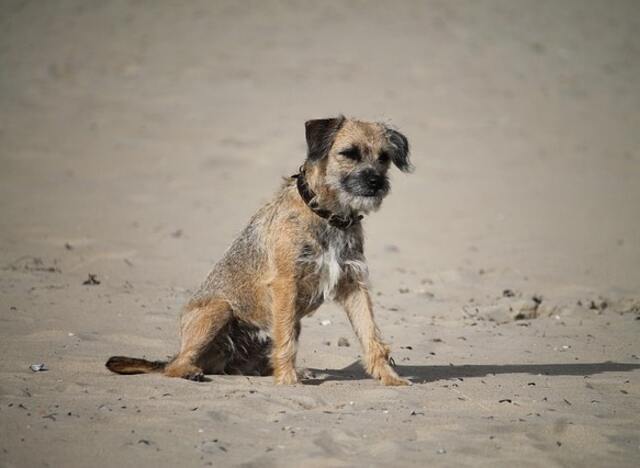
(248, 349)
(200, 325)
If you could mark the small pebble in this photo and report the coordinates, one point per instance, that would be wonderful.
(92, 280)
(342, 341)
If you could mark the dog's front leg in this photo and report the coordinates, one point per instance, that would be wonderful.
(285, 330)
(357, 304)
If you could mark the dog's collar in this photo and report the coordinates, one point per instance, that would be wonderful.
(307, 195)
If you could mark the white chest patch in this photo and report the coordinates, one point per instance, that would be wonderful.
(333, 263)
(329, 271)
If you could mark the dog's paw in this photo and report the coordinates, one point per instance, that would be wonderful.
(388, 376)
(197, 376)
(286, 378)
(395, 381)
(184, 370)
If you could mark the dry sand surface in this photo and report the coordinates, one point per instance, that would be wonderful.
(136, 139)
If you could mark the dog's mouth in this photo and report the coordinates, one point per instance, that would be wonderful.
(370, 193)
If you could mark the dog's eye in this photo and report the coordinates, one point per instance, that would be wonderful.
(351, 153)
(384, 157)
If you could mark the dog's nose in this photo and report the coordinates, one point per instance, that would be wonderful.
(374, 181)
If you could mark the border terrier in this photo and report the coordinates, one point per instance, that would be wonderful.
(302, 248)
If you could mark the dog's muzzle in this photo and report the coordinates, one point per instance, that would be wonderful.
(366, 183)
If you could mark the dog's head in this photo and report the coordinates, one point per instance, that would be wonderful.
(353, 158)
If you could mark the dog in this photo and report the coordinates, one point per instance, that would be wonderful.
(302, 248)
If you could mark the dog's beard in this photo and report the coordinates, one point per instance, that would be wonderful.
(360, 203)
(350, 200)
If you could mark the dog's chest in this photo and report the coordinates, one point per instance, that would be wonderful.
(340, 255)
(329, 268)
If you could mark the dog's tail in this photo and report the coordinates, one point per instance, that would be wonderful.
(129, 365)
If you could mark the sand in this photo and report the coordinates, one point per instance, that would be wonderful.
(136, 139)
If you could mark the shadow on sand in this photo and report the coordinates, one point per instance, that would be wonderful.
(424, 374)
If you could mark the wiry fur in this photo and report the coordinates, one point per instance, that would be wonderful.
(245, 317)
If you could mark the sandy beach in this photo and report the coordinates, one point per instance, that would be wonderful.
(137, 138)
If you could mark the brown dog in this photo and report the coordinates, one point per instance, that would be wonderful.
(303, 247)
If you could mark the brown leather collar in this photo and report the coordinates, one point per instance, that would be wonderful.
(307, 195)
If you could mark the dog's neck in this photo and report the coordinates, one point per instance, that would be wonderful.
(336, 219)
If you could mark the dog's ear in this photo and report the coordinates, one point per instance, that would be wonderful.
(399, 146)
(320, 135)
